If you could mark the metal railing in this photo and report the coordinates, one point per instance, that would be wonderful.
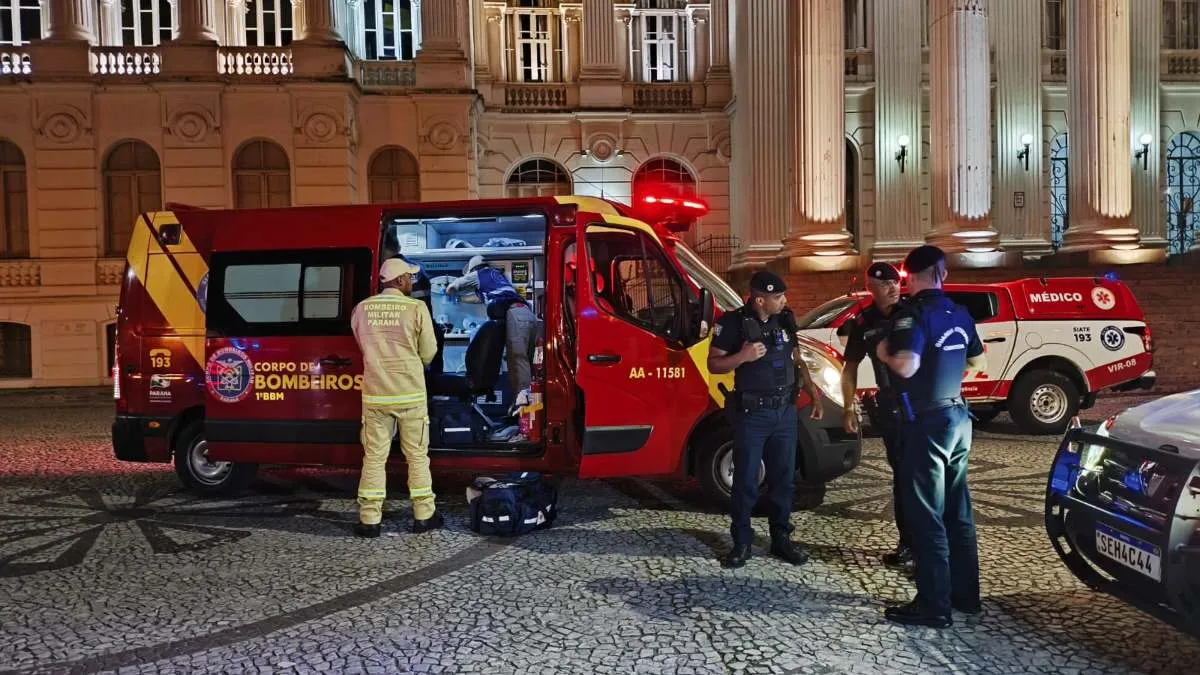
(716, 251)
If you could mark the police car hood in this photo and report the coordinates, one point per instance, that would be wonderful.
(1171, 420)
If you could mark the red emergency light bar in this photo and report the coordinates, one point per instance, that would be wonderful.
(676, 213)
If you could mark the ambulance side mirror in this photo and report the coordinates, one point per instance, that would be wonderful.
(706, 314)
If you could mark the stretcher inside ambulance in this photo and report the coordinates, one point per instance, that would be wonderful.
(235, 350)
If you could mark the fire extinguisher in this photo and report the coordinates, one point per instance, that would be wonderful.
(531, 413)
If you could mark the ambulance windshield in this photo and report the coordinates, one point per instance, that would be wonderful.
(727, 299)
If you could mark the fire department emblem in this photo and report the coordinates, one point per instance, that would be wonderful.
(1103, 298)
(229, 374)
(202, 293)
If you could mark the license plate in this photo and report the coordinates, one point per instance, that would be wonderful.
(1133, 553)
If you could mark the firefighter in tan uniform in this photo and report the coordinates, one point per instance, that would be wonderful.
(395, 333)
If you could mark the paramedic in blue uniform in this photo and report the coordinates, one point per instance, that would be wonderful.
(931, 345)
(504, 304)
(864, 333)
(758, 343)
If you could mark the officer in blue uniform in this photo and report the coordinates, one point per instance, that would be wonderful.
(863, 334)
(758, 343)
(503, 304)
(932, 343)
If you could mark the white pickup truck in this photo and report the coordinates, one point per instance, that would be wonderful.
(1052, 345)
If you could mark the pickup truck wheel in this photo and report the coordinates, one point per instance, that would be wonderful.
(714, 471)
(202, 476)
(1043, 402)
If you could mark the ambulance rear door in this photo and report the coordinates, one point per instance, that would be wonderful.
(283, 373)
(642, 392)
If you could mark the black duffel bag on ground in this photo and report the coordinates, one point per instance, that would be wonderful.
(518, 503)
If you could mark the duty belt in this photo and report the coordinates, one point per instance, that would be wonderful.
(770, 400)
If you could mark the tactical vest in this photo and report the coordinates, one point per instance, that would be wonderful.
(776, 370)
(939, 379)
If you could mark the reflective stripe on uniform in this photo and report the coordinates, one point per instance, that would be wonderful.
(372, 494)
(375, 399)
(417, 493)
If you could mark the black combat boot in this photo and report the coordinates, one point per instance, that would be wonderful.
(789, 552)
(367, 531)
(434, 522)
(737, 557)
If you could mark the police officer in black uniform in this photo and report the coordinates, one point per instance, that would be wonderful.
(758, 343)
(863, 334)
(932, 343)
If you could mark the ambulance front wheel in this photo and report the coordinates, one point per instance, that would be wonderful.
(714, 472)
(200, 475)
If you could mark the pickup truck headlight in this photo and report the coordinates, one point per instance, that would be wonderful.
(826, 373)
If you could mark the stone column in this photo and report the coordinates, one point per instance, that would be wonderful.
(600, 69)
(197, 20)
(1100, 149)
(897, 223)
(817, 237)
(1145, 44)
(439, 27)
(110, 23)
(70, 20)
(718, 38)
(761, 159)
(1017, 214)
(319, 23)
(237, 23)
(697, 46)
(960, 127)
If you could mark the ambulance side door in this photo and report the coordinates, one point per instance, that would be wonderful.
(997, 328)
(632, 364)
(283, 370)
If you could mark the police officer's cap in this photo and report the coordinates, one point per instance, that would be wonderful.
(766, 282)
(395, 268)
(922, 258)
(882, 271)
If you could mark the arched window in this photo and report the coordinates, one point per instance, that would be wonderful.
(20, 22)
(392, 28)
(538, 178)
(16, 351)
(147, 23)
(269, 23)
(132, 185)
(262, 176)
(14, 202)
(394, 176)
(1183, 189)
(1059, 204)
(663, 173)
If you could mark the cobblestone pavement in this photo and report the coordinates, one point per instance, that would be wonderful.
(110, 567)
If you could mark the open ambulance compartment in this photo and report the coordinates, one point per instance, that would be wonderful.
(471, 404)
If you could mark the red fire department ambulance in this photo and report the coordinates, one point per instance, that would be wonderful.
(235, 346)
(1052, 345)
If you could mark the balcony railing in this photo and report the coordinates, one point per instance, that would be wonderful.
(860, 66)
(662, 97)
(20, 273)
(1180, 65)
(536, 97)
(15, 62)
(124, 61)
(1054, 65)
(255, 61)
(387, 74)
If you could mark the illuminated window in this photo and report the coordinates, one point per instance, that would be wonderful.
(147, 23)
(393, 29)
(269, 23)
(538, 178)
(20, 22)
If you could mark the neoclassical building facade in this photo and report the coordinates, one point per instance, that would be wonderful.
(821, 132)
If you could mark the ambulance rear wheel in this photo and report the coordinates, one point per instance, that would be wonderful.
(1043, 402)
(200, 475)
(714, 472)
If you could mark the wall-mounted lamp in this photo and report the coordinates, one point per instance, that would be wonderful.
(1144, 153)
(1023, 154)
(902, 153)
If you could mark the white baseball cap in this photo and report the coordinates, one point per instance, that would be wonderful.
(475, 261)
(395, 268)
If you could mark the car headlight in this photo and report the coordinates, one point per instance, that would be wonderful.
(825, 372)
